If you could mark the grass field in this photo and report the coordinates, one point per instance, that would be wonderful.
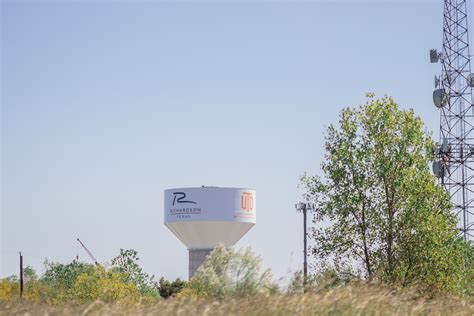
(348, 300)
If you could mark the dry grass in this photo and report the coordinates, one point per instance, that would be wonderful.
(348, 300)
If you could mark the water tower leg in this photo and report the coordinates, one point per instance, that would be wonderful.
(196, 258)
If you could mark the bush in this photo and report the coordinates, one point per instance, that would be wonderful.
(34, 290)
(9, 289)
(104, 285)
(169, 289)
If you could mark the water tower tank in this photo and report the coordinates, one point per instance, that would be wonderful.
(206, 216)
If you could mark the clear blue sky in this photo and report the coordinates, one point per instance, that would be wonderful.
(105, 104)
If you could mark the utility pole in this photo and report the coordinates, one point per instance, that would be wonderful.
(21, 276)
(304, 207)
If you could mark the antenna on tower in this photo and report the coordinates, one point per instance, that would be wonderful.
(453, 96)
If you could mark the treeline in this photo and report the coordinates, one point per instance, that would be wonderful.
(78, 282)
(226, 273)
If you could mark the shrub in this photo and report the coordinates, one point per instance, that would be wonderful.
(104, 285)
(169, 289)
(9, 289)
(33, 290)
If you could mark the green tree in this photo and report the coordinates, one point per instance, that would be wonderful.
(63, 276)
(58, 280)
(227, 272)
(29, 274)
(127, 263)
(384, 214)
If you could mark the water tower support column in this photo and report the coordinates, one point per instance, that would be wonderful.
(196, 258)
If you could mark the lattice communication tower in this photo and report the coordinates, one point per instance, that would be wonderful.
(454, 98)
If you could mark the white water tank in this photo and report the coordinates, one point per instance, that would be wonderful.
(203, 217)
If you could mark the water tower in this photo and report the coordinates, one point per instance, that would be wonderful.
(203, 217)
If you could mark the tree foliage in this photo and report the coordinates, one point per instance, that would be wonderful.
(227, 272)
(382, 212)
(127, 263)
(105, 285)
(78, 282)
(72, 283)
(64, 276)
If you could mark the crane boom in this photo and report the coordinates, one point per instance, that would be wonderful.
(88, 252)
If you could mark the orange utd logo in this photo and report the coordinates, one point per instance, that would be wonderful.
(247, 201)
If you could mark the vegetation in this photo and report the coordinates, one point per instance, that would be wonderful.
(63, 276)
(80, 283)
(316, 283)
(352, 299)
(127, 263)
(59, 286)
(227, 272)
(388, 218)
(229, 283)
(170, 289)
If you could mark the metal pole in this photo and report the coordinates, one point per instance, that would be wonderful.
(21, 276)
(304, 207)
(305, 263)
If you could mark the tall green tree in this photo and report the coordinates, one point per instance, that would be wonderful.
(381, 211)
(127, 263)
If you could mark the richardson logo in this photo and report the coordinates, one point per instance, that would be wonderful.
(183, 211)
(247, 201)
(179, 197)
